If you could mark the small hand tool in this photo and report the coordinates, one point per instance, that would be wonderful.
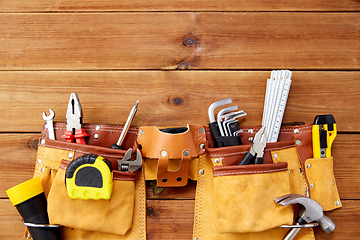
(49, 123)
(256, 152)
(308, 211)
(323, 134)
(89, 177)
(74, 121)
(128, 165)
(219, 117)
(126, 127)
(220, 128)
(277, 92)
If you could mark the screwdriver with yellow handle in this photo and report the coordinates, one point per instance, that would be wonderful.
(323, 134)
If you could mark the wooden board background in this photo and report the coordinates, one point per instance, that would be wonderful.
(113, 53)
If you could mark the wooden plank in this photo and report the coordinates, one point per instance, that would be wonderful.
(11, 226)
(18, 157)
(107, 96)
(173, 219)
(179, 5)
(237, 40)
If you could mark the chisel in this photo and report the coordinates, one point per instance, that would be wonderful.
(323, 134)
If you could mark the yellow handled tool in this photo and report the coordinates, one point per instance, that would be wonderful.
(323, 134)
(89, 177)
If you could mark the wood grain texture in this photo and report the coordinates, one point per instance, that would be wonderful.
(178, 5)
(252, 40)
(169, 98)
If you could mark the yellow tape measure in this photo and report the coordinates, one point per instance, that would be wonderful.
(323, 134)
(89, 177)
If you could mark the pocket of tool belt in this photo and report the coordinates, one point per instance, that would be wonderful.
(110, 216)
(244, 197)
(323, 189)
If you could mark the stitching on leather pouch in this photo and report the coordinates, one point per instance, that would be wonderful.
(197, 223)
(226, 154)
(280, 148)
(123, 179)
(142, 229)
(249, 172)
(243, 152)
(102, 129)
(69, 149)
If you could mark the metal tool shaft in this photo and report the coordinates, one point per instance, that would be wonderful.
(127, 123)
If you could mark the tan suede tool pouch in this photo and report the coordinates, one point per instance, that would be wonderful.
(244, 197)
(237, 202)
(94, 215)
(120, 217)
(323, 189)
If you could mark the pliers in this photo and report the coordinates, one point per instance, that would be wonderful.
(74, 132)
(256, 152)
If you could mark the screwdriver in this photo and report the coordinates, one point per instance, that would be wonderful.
(126, 127)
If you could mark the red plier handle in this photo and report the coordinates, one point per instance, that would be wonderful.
(79, 136)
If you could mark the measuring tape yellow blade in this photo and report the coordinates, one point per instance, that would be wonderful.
(89, 177)
(323, 134)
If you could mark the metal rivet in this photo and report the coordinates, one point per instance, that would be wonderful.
(217, 160)
(196, 239)
(289, 172)
(201, 172)
(308, 165)
(300, 170)
(202, 130)
(189, 41)
(97, 128)
(337, 203)
(186, 153)
(298, 142)
(250, 131)
(96, 136)
(28, 236)
(296, 131)
(251, 139)
(333, 183)
(163, 153)
(42, 141)
(312, 185)
(39, 161)
(275, 155)
(70, 155)
(141, 131)
(202, 146)
(42, 169)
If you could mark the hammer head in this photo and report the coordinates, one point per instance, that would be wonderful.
(309, 210)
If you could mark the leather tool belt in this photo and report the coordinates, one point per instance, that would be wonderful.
(232, 201)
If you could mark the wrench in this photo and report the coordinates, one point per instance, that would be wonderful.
(49, 123)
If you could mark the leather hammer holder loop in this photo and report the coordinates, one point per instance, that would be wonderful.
(167, 147)
(177, 178)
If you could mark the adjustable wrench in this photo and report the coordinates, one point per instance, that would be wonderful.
(49, 123)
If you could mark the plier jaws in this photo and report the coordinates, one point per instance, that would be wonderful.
(256, 152)
(74, 131)
(74, 113)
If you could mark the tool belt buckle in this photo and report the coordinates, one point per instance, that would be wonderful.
(177, 178)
